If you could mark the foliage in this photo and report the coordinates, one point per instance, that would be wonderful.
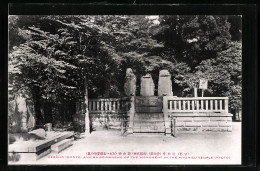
(191, 39)
(224, 74)
(50, 56)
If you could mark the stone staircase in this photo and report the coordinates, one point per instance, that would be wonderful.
(148, 116)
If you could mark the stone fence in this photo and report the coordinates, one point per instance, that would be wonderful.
(197, 114)
(188, 113)
(109, 112)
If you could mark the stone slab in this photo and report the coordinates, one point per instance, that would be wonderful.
(192, 129)
(47, 143)
(199, 114)
(184, 119)
(58, 147)
(209, 124)
(201, 119)
(147, 86)
(192, 124)
(164, 83)
(215, 129)
(148, 101)
(218, 118)
(148, 130)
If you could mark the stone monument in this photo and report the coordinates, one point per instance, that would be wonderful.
(130, 83)
(147, 86)
(164, 83)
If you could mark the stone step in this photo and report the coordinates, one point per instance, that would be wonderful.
(48, 142)
(148, 123)
(151, 130)
(58, 147)
(148, 116)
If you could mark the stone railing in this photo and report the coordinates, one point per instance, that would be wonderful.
(195, 104)
(196, 114)
(108, 105)
(109, 112)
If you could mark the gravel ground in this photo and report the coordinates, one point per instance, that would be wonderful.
(185, 148)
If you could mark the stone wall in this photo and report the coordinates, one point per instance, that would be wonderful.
(216, 122)
(108, 119)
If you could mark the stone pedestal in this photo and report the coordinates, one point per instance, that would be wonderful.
(130, 83)
(147, 86)
(165, 83)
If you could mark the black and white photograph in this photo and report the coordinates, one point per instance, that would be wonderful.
(125, 89)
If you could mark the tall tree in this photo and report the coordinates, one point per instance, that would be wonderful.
(191, 39)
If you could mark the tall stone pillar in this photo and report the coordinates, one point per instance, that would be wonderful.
(165, 83)
(130, 83)
(147, 86)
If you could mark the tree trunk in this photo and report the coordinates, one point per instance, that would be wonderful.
(37, 107)
(107, 88)
(87, 122)
(48, 112)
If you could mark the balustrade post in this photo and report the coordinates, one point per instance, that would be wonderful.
(207, 105)
(166, 118)
(226, 105)
(220, 105)
(114, 105)
(211, 105)
(216, 104)
(170, 105)
(192, 103)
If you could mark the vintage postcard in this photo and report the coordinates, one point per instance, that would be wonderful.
(124, 89)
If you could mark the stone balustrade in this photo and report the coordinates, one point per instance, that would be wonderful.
(196, 104)
(196, 114)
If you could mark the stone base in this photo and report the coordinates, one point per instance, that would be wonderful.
(215, 122)
(168, 132)
(130, 131)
